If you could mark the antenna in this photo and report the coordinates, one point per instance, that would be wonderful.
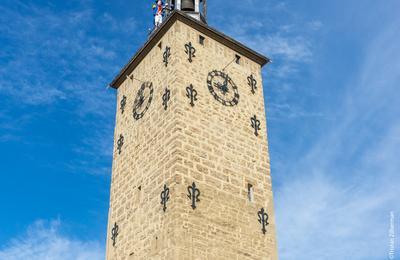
(205, 9)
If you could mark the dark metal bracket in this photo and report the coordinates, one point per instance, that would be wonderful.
(190, 51)
(166, 97)
(114, 233)
(164, 197)
(191, 93)
(166, 55)
(255, 123)
(263, 219)
(252, 83)
(193, 194)
(120, 143)
(123, 104)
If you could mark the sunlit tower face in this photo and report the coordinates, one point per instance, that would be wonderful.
(191, 172)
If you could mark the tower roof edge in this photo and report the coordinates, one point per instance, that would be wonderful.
(201, 27)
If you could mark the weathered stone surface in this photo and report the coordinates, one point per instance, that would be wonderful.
(210, 144)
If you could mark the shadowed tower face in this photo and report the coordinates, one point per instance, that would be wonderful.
(191, 172)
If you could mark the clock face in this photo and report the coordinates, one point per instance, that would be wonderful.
(223, 88)
(143, 100)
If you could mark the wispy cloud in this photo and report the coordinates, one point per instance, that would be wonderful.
(94, 153)
(11, 126)
(285, 40)
(54, 60)
(288, 42)
(44, 241)
(335, 202)
(55, 55)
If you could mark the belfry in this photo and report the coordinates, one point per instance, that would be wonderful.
(191, 171)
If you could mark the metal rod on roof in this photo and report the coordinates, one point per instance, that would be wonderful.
(133, 78)
(229, 64)
(205, 9)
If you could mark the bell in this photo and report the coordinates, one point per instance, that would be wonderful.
(187, 5)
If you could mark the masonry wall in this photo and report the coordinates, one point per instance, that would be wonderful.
(210, 144)
(148, 160)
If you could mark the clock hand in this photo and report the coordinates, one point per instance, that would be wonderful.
(139, 101)
(226, 80)
(224, 87)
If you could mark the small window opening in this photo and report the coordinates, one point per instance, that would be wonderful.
(237, 59)
(140, 188)
(201, 39)
(250, 192)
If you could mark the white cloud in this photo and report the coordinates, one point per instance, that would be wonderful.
(283, 36)
(43, 241)
(58, 55)
(286, 43)
(285, 111)
(61, 60)
(315, 25)
(295, 49)
(335, 202)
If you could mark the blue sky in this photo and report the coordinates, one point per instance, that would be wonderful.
(332, 99)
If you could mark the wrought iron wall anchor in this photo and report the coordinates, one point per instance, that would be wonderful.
(166, 98)
(164, 197)
(191, 93)
(252, 83)
(166, 55)
(120, 143)
(255, 123)
(190, 51)
(263, 219)
(114, 233)
(123, 104)
(194, 194)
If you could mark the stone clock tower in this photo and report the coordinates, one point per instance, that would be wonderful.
(191, 170)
